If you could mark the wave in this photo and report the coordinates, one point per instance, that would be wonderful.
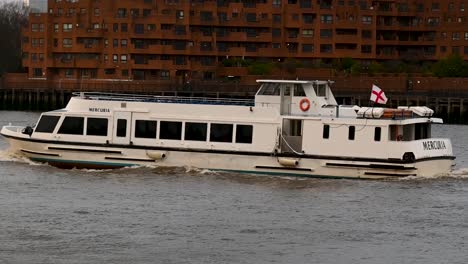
(9, 155)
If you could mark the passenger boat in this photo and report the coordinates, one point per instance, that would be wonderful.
(292, 127)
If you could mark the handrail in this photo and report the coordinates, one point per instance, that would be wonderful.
(162, 99)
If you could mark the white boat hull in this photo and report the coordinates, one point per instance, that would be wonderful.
(79, 155)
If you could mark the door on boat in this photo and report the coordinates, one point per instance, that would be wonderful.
(291, 136)
(286, 99)
(122, 124)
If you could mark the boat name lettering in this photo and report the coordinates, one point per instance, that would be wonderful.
(434, 144)
(100, 110)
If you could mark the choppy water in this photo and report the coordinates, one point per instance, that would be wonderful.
(149, 215)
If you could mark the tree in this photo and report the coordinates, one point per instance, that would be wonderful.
(452, 66)
(13, 16)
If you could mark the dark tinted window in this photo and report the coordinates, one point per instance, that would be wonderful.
(195, 131)
(72, 125)
(244, 134)
(47, 124)
(170, 130)
(145, 129)
(121, 127)
(326, 131)
(97, 127)
(221, 133)
(351, 132)
(377, 133)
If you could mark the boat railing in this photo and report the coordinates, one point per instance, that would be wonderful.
(163, 99)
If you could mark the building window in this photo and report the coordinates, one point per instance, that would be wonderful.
(115, 27)
(377, 133)
(56, 27)
(37, 72)
(124, 27)
(366, 34)
(366, 49)
(123, 43)
(455, 36)
(244, 134)
(67, 43)
(145, 129)
(67, 27)
(276, 3)
(69, 73)
(276, 32)
(96, 126)
(125, 73)
(367, 20)
(72, 125)
(165, 75)
(326, 33)
(326, 131)
(326, 19)
(456, 50)
(308, 33)
(139, 28)
(276, 18)
(195, 131)
(121, 12)
(47, 124)
(123, 58)
(435, 7)
(351, 132)
(170, 130)
(307, 48)
(97, 12)
(115, 58)
(221, 132)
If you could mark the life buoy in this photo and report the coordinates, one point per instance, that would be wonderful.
(304, 104)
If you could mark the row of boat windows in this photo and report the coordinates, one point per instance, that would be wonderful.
(193, 131)
(352, 132)
(397, 132)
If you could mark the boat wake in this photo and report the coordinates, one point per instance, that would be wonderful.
(7, 155)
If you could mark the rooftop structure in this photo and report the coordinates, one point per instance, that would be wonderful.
(203, 40)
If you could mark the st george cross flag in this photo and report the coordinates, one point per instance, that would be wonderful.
(378, 95)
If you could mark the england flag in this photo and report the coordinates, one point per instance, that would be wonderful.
(378, 95)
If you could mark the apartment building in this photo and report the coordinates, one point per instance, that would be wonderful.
(184, 40)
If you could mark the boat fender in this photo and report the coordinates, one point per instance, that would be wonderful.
(156, 155)
(288, 162)
(304, 104)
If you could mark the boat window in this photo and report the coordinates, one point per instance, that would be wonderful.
(377, 133)
(72, 125)
(47, 124)
(326, 131)
(96, 127)
(299, 90)
(270, 89)
(320, 89)
(401, 133)
(145, 129)
(121, 127)
(351, 132)
(244, 134)
(221, 132)
(422, 131)
(170, 130)
(195, 131)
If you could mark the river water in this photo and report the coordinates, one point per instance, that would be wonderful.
(151, 215)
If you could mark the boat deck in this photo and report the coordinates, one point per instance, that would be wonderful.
(163, 99)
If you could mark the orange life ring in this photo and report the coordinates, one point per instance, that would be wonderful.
(304, 104)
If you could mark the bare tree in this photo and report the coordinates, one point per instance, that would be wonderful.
(13, 16)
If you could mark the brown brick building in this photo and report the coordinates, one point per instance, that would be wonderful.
(187, 40)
